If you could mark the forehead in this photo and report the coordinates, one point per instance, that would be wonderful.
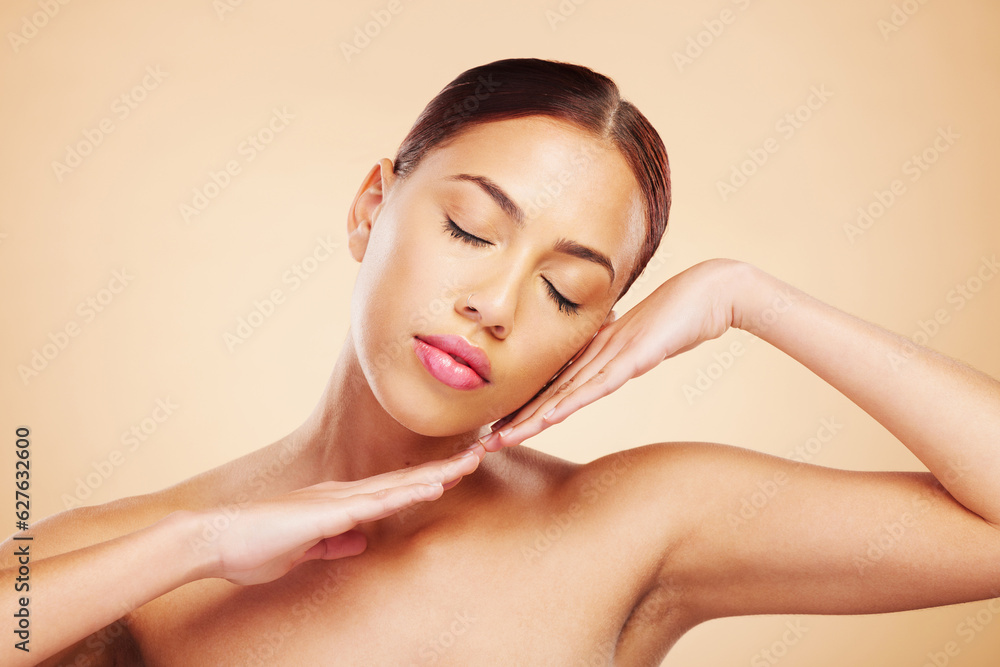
(563, 177)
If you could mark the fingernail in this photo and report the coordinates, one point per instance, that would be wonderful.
(486, 438)
(504, 433)
(549, 414)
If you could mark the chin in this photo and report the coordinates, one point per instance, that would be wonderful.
(411, 404)
(422, 417)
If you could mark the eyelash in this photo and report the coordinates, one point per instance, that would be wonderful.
(460, 233)
(565, 305)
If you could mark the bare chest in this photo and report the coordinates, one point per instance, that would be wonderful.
(527, 594)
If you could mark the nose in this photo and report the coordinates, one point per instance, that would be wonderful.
(493, 307)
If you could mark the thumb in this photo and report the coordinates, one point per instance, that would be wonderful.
(350, 543)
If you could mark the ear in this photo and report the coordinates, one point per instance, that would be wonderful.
(367, 205)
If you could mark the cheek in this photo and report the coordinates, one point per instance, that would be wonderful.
(401, 290)
(573, 335)
(549, 348)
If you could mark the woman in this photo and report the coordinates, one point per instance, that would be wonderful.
(521, 206)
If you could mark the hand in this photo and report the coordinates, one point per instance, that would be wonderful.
(267, 538)
(694, 306)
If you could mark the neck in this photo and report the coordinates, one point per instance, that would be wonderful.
(349, 436)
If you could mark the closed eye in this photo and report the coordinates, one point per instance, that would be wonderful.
(564, 304)
(460, 233)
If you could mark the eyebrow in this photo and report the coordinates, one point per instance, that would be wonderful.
(516, 214)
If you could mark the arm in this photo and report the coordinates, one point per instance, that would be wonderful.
(817, 540)
(946, 413)
(76, 593)
(832, 541)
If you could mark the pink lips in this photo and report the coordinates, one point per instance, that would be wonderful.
(453, 361)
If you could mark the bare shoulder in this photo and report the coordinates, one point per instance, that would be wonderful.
(740, 531)
(648, 477)
(639, 481)
(254, 474)
(81, 527)
(630, 510)
(265, 471)
(636, 502)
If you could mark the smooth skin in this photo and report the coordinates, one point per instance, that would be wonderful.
(260, 543)
(648, 530)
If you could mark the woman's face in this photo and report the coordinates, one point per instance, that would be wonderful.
(536, 219)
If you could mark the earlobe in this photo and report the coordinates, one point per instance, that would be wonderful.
(365, 208)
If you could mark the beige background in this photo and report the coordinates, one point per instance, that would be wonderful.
(225, 71)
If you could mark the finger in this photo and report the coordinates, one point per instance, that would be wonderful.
(562, 375)
(588, 385)
(350, 543)
(491, 442)
(560, 382)
(375, 505)
(503, 422)
(601, 348)
(432, 472)
(565, 374)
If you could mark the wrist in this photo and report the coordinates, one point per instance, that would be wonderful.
(758, 299)
(192, 544)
